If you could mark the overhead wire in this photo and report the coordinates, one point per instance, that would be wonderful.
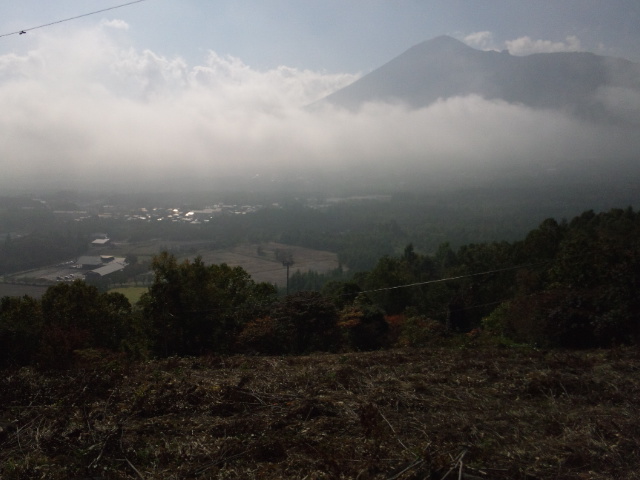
(25, 30)
(395, 287)
(440, 280)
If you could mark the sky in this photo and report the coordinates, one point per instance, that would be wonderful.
(165, 89)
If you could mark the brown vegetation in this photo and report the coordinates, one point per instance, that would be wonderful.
(466, 413)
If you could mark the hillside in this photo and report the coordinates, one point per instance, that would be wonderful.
(472, 413)
(575, 82)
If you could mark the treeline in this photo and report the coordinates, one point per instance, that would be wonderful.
(359, 231)
(566, 284)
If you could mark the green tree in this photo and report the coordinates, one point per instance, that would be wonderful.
(77, 316)
(306, 321)
(20, 330)
(193, 308)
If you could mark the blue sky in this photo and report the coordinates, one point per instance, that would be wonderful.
(159, 88)
(335, 35)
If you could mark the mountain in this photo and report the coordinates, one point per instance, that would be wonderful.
(577, 82)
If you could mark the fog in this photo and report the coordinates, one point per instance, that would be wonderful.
(89, 111)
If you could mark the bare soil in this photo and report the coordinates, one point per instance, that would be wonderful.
(463, 413)
(265, 266)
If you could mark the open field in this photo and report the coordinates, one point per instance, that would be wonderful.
(14, 290)
(258, 260)
(464, 413)
(133, 294)
(265, 267)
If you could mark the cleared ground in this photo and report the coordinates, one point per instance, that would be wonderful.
(262, 263)
(260, 260)
(432, 414)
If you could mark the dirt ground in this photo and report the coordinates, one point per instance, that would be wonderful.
(456, 413)
(265, 267)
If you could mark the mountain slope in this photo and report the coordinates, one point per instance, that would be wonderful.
(444, 67)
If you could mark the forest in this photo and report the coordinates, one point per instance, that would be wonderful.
(481, 360)
(565, 284)
(359, 229)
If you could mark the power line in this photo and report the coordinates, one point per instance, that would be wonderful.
(25, 30)
(440, 280)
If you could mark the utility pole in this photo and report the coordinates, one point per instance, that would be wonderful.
(286, 257)
(287, 263)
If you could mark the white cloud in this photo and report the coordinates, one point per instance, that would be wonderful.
(481, 40)
(527, 46)
(116, 24)
(87, 109)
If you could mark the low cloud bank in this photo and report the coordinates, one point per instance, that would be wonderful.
(89, 109)
(525, 45)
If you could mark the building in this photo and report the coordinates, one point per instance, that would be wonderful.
(101, 242)
(108, 269)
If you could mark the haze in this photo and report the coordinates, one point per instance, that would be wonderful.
(87, 107)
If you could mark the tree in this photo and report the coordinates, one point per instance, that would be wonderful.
(364, 325)
(306, 321)
(193, 308)
(20, 330)
(77, 316)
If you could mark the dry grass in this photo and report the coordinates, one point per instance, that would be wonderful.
(472, 413)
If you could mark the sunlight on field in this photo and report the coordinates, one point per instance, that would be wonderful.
(133, 294)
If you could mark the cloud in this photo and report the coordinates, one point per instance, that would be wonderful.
(527, 46)
(115, 24)
(481, 40)
(90, 110)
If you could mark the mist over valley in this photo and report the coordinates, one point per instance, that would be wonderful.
(441, 116)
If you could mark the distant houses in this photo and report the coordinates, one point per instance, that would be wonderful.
(100, 240)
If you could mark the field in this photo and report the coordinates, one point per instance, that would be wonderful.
(133, 294)
(262, 264)
(466, 413)
(259, 260)
(14, 290)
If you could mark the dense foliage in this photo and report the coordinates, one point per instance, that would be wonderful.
(569, 284)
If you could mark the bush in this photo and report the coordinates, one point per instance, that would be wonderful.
(364, 328)
(419, 331)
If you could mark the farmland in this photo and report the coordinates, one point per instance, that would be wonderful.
(259, 260)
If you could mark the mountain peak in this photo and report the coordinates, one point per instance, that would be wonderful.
(444, 67)
(443, 43)
(444, 40)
